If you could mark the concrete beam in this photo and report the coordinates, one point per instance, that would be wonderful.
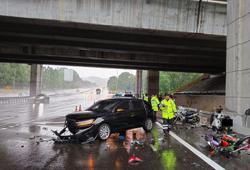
(47, 42)
(66, 60)
(174, 15)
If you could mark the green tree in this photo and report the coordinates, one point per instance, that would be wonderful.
(170, 81)
(53, 78)
(124, 82)
(112, 83)
(15, 75)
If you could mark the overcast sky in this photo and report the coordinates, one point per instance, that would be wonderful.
(98, 72)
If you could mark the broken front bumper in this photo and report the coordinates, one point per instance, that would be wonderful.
(82, 136)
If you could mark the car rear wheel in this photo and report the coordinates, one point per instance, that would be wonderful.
(148, 125)
(104, 131)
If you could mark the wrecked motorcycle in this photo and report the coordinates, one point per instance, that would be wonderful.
(221, 122)
(186, 116)
(228, 145)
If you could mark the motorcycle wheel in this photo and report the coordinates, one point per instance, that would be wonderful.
(196, 119)
(242, 142)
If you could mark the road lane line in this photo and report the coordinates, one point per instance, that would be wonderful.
(6, 118)
(49, 123)
(153, 148)
(195, 151)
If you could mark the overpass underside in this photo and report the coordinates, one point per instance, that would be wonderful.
(40, 41)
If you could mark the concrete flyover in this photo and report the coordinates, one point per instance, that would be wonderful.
(197, 16)
(54, 42)
(175, 35)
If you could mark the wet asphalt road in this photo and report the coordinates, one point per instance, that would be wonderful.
(30, 148)
(25, 143)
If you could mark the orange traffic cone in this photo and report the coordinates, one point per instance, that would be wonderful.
(80, 108)
(76, 109)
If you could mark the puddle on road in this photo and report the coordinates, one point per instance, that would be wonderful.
(38, 109)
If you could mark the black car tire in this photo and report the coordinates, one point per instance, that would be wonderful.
(104, 131)
(148, 125)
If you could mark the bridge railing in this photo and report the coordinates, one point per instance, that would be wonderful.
(14, 100)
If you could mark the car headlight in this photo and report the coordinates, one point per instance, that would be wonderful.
(85, 123)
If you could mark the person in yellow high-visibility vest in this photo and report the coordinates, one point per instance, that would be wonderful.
(167, 110)
(172, 103)
(155, 104)
(145, 97)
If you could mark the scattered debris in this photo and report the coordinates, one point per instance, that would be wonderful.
(196, 164)
(137, 142)
(121, 137)
(134, 160)
(32, 137)
(91, 139)
(107, 148)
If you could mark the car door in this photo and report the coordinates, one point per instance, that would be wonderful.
(121, 116)
(137, 113)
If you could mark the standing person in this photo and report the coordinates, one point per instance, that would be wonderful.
(172, 103)
(160, 97)
(145, 97)
(155, 104)
(167, 111)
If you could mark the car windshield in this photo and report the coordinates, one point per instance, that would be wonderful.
(103, 106)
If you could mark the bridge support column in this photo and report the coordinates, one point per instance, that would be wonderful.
(153, 82)
(35, 79)
(138, 83)
(238, 63)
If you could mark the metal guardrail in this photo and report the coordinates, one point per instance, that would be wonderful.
(15, 100)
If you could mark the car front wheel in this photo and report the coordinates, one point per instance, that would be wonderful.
(148, 125)
(104, 131)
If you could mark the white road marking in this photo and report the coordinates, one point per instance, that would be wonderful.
(50, 123)
(7, 118)
(160, 125)
(195, 151)
(153, 148)
(3, 128)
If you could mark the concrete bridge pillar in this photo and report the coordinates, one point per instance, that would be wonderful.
(35, 79)
(238, 62)
(153, 82)
(138, 82)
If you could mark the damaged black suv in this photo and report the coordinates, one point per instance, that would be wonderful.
(111, 115)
